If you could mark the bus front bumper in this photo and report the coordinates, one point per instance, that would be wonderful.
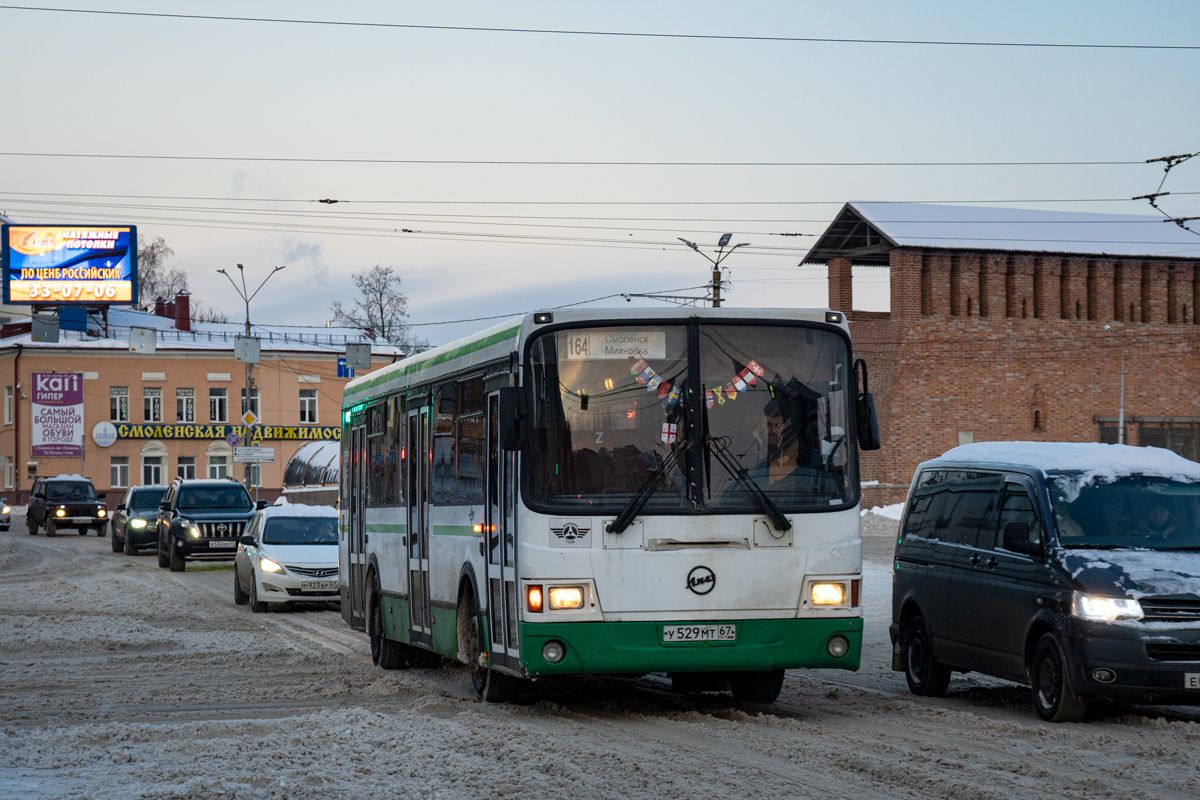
(638, 647)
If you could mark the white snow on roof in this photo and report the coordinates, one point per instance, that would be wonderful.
(298, 510)
(1029, 230)
(1091, 460)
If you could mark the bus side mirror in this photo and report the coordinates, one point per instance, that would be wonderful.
(514, 418)
(864, 410)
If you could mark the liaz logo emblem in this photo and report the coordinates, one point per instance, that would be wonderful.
(701, 580)
(569, 532)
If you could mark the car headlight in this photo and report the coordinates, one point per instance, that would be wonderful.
(566, 597)
(137, 524)
(62, 512)
(1098, 608)
(190, 528)
(6, 510)
(267, 565)
(100, 512)
(827, 594)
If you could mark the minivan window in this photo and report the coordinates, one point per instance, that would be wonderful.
(1017, 506)
(953, 505)
(1135, 511)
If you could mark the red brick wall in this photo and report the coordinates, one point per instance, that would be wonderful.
(935, 373)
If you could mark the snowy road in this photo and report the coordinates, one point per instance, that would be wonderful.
(123, 680)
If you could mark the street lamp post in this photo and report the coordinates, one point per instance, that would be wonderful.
(246, 296)
(722, 254)
(1121, 412)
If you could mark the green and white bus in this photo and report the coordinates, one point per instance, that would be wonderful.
(612, 491)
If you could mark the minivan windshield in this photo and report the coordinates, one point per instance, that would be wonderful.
(70, 492)
(1134, 512)
(301, 530)
(224, 498)
(146, 499)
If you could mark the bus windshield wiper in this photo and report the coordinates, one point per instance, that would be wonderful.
(718, 445)
(639, 500)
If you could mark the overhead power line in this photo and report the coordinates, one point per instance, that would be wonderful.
(579, 163)
(594, 33)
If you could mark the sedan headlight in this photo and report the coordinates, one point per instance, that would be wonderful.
(6, 510)
(827, 594)
(566, 597)
(137, 524)
(267, 565)
(1098, 608)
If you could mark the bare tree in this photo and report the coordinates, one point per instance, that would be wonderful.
(381, 308)
(200, 312)
(153, 279)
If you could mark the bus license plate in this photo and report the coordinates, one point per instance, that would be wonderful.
(222, 544)
(318, 586)
(1191, 680)
(699, 633)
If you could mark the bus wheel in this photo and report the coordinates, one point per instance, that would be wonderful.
(386, 653)
(756, 687)
(490, 685)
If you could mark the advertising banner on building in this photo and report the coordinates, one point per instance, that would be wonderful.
(59, 265)
(57, 411)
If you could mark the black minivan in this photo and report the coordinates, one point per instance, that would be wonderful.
(1072, 568)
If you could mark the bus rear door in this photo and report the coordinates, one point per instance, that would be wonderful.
(418, 526)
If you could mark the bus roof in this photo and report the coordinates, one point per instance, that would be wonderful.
(501, 339)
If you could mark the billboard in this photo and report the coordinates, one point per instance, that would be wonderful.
(64, 265)
(57, 414)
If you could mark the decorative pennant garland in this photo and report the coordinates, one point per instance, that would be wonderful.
(672, 397)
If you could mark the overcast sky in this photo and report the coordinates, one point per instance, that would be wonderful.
(492, 239)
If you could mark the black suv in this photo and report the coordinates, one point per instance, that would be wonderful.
(1072, 568)
(66, 501)
(202, 520)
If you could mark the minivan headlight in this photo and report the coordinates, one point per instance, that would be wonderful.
(1098, 608)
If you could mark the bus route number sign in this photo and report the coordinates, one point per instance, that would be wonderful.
(699, 633)
(612, 344)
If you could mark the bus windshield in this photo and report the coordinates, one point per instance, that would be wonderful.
(764, 410)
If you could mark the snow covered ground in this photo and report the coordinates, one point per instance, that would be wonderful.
(122, 680)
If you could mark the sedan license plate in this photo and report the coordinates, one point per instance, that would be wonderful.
(699, 633)
(318, 586)
(1191, 680)
(222, 544)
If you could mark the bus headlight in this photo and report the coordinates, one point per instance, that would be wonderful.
(533, 598)
(827, 594)
(566, 597)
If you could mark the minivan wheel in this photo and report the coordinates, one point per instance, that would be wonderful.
(1053, 697)
(926, 677)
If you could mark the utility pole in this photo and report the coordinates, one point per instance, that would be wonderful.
(247, 297)
(722, 254)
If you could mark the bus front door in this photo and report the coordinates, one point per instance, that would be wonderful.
(500, 533)
(357, 549)
(418, 526)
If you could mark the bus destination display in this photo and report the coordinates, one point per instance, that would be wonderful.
(61, 265)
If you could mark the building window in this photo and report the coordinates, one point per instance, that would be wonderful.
(118, 405)
(152, 470)
(8, 472)
(152, 406)
(8, 405)
(1152, 436)
(1181, 440)
(1108, 434)
(218, 466)
(308, 405)
(255, 474)
(253, 401)
(119, 472)
(187, 467)
(218, 405)
(185, 405)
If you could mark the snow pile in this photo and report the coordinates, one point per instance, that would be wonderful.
(1092, 460)
(894, 511)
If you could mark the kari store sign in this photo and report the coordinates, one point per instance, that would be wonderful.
(55, 265)
(57, 401)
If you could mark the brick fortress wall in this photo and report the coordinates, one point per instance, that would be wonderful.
(1008, 347)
